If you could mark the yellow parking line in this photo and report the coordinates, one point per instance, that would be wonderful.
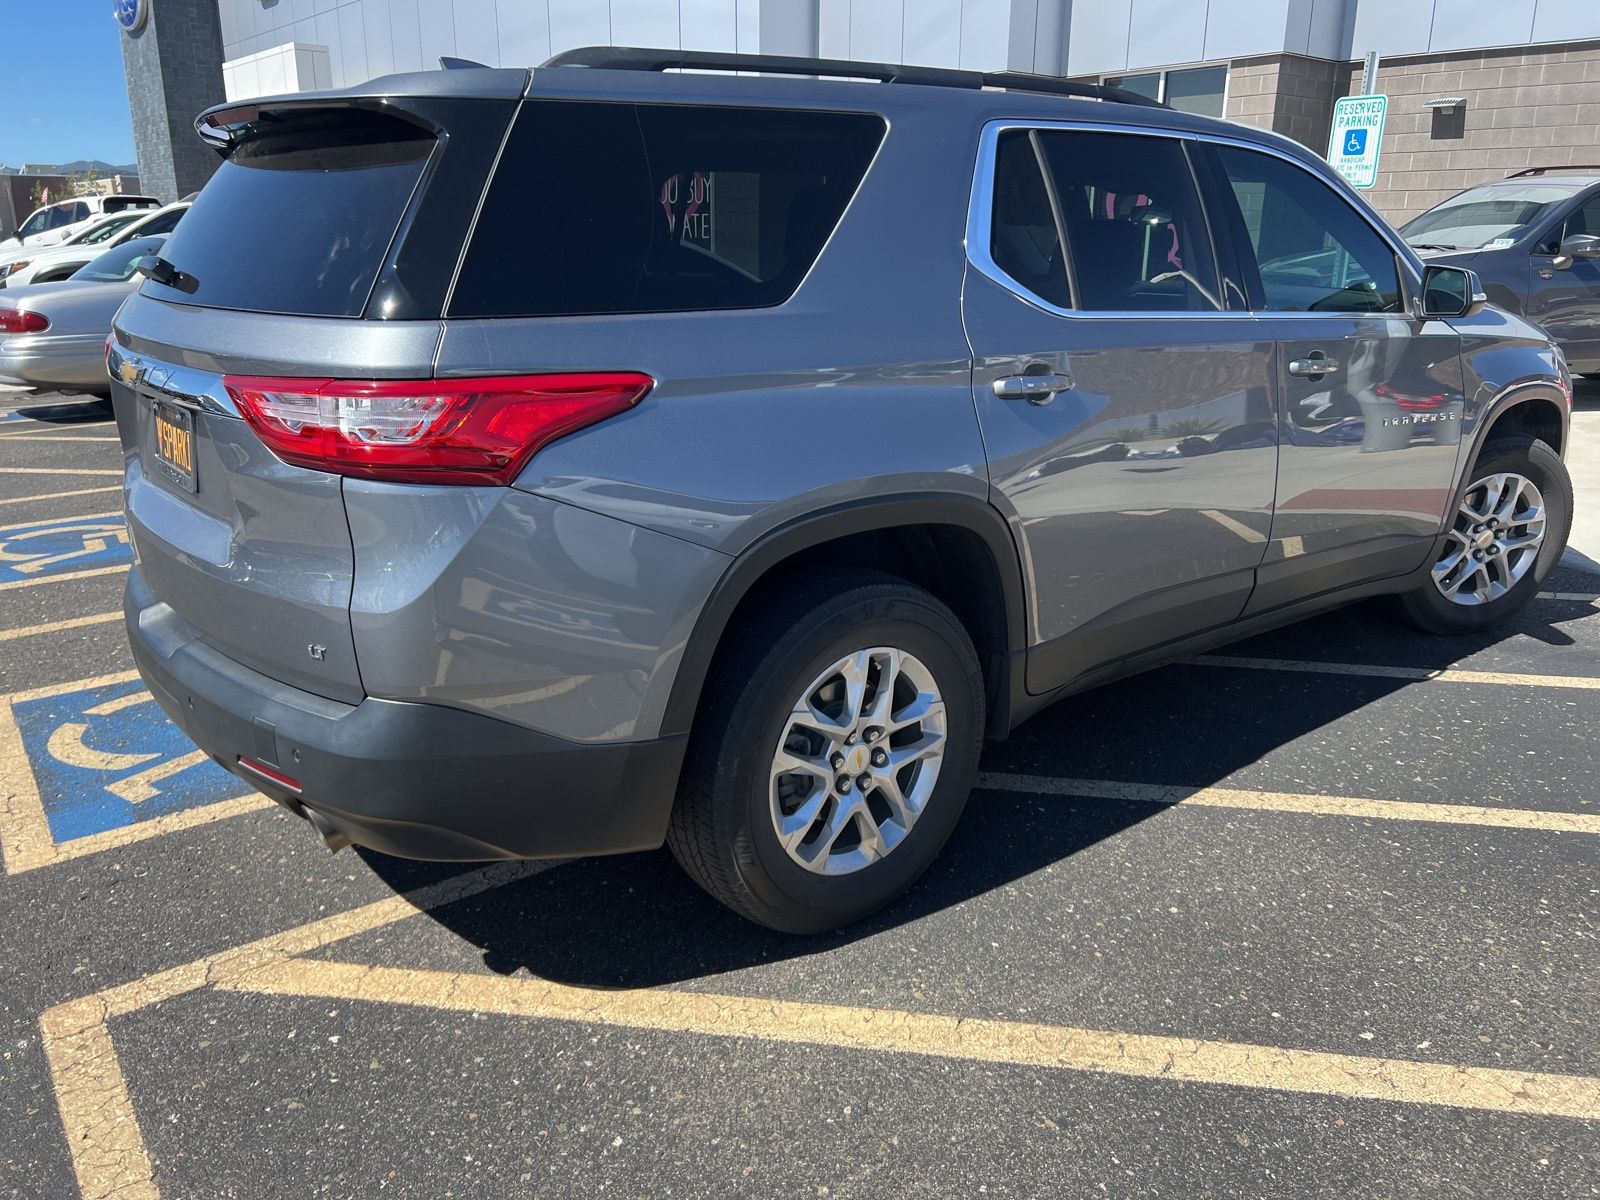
(1295, 802)
(64, 577)
(109, 1155)
(890, 1031)
(7, 635)
(58, 471)
(1233, 526)
(102, 1131)
(1416, 674)
(115, 487)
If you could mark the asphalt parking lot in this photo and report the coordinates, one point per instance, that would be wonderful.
(1315, 916)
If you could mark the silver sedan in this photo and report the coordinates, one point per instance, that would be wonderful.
(53, 335)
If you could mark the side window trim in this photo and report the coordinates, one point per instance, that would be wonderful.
(1054, 197)
(980, 208)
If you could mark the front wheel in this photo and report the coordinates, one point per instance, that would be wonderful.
(1510, 527)
(833, 754)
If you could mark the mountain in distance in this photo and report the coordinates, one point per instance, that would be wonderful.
(76, 167)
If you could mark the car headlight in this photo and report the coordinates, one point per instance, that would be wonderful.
(11, 267)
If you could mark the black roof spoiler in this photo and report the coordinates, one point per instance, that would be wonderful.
(633, 58)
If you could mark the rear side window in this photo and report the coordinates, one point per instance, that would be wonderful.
(1023, 240)
(615, 208)
(299, 220)
(1136, 234)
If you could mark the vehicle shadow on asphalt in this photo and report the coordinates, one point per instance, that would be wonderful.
(637, 921)
(87, 411)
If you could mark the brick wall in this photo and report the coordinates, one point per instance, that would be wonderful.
(1288, 94)
(174, 70)
(1527, 106)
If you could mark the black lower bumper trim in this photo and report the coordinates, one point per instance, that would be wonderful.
(410, 779)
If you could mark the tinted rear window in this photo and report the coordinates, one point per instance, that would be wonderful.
(612, 208)
(300, 220)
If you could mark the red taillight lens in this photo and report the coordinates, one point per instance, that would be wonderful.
(14, 320)
(429, 430)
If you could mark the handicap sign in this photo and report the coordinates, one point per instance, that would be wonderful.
(105, 757)
(1356, 138)
(45, 548)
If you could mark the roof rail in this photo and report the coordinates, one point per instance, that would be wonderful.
(1547, 170)
(633, 58)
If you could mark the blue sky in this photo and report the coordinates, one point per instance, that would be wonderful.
(62, 91)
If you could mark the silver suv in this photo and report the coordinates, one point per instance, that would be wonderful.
(604, 455)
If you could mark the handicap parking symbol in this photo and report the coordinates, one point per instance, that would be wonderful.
(105, 757)
(1355, 142)
(45, 548)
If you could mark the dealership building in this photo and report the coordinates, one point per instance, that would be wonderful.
(1477, 88)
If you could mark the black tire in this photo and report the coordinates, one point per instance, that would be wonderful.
(1426, 608)
(722, 828)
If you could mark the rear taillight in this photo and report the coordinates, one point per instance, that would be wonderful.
(14, 320)
(429, 430)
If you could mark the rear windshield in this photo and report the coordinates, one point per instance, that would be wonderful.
(299, 220)
(612, 208)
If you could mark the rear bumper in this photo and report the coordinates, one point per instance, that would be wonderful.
(410, 779)
(44, 361)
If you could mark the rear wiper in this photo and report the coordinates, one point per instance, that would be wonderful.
(153, 266)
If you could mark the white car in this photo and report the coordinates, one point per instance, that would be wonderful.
(95, 233)
(53, 224)
(52, 263)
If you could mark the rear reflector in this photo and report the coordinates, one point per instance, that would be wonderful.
(13, 320)
(262, 771)
(480, 431)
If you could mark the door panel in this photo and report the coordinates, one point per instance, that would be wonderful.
(1129, 423)
(1566, 300)
(1372, 399)
(1369, 451)
(1144, 494)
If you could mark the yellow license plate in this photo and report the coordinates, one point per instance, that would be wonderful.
(175, 445)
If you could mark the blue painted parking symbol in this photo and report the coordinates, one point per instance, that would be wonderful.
(66, 544)
(1355, 142)
(105, 757)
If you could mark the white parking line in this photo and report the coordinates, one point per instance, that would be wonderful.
(114, 487)
(60, 471)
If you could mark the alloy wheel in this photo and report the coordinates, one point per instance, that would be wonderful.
(1494, 542)
(857, 761)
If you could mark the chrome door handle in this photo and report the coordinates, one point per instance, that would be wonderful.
(1313, 367)
(1035, 389)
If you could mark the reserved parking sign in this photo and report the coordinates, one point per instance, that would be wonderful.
(1356, 138)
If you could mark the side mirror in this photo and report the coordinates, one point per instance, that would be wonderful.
(1449, 292)
(1578, 245)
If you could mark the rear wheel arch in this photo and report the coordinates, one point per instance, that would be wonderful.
(957, 547)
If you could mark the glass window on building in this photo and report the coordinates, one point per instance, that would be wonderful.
(1144, 85)
(1199, 90)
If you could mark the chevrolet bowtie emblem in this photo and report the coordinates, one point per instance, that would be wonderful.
(128, 371)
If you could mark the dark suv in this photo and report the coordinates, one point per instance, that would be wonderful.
(601, 455)
(1534, 239)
